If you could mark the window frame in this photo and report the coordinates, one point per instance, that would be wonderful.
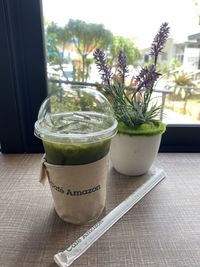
(24, 83)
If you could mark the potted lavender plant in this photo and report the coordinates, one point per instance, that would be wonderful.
(137, 142)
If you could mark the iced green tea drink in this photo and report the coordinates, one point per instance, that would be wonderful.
(76, 127)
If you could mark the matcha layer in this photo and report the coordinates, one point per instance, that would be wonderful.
(143, 129)
(75, 154)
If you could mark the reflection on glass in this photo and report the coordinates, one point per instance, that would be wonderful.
(74, 29)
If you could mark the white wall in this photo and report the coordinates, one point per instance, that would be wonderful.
(191, 58)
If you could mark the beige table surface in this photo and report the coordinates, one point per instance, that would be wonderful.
(163, 229)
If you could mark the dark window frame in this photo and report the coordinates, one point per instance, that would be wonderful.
(24, 83)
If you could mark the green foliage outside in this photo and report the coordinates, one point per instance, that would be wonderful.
(166, 68)
(53, 88)
(175, 63)
(84, 38)
(78, 73)
(129, 49)
(182, 79)
(56, 37)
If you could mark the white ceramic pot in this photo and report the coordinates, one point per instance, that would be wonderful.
(134, 155)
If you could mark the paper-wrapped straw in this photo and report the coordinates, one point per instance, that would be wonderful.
(67, 257)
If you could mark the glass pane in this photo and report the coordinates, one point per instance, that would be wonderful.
(133, 24)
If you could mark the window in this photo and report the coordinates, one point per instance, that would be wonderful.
(23, 82)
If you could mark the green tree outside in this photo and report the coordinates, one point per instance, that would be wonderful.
(86, 37)
(127, 46)
(57, 37)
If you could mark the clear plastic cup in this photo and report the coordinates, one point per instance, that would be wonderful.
(76, 126)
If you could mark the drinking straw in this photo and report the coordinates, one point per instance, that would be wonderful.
(76, 249)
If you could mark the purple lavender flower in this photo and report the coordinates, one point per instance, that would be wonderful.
(147, 77)
(133, 109)
(159, 41)
(100, 58)
(123, 68)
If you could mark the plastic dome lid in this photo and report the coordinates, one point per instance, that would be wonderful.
(75, 115)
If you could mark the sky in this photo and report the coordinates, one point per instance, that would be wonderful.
(137, 19)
